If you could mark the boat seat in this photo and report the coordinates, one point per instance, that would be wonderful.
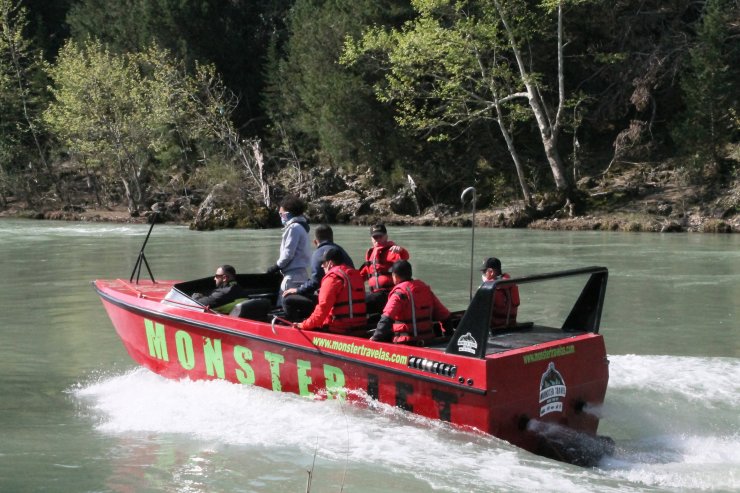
(254, 309)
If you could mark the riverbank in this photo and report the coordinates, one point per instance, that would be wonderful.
(694, 221)
(633, 201)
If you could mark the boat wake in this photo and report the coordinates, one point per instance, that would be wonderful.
(674, 421)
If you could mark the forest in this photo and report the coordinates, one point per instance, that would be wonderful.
(171, 104)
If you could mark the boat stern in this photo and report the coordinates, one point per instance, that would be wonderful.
(551, 394)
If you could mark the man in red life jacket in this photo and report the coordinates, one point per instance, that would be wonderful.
(411, 310)
(505, 299)
(341, 306)
(378, 261)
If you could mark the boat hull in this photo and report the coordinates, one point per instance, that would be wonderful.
(509, 394)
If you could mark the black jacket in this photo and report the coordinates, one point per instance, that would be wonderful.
(221, 296)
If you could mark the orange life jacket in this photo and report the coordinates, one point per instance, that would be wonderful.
(415, 322)
(505, 304)
(349, 313)
(381, 261)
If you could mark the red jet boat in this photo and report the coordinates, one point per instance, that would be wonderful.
(534, 384)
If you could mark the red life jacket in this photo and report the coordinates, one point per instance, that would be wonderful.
(381, 262)
(348, 315)
(415, 324)
(505, 303)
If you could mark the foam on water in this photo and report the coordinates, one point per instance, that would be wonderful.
(44, 231)
(372, 435)
(675, 455)
(682, 421)
(712, 381)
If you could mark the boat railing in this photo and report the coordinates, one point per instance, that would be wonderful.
(472, 332)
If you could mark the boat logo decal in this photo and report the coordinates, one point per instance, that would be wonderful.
(552, 391)
(467, 344)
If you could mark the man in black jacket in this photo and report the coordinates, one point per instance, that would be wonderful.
(226, 294)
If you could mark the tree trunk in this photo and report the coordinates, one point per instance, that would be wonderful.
(526, 192)
(133, 206)
(548, 132)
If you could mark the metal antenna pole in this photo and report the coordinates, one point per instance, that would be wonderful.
(142, 258)
(472, 240)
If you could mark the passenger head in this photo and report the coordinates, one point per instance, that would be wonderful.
(322, 233)
(378, 233)
(224, 275)
(332, 257)
(290, 207)
(401, 271)
(490, 269)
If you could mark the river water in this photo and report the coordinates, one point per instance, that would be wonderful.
(77, 415)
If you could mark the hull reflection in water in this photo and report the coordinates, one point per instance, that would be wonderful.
(527, 383)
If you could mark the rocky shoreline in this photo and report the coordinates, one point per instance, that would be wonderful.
(637, 201)
(490, 218)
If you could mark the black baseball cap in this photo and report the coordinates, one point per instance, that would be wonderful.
(332, 254)
(378, 229)
(491, 263)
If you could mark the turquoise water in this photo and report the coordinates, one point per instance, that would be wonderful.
(77, 415)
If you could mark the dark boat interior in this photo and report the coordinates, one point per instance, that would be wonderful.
(468, 332)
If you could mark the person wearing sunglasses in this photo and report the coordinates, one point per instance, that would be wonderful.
(227, 292)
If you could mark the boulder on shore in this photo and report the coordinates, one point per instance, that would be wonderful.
(221, 210)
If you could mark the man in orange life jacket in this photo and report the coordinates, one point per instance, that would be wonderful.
(341, 306)
(505, 299)
(412, 309)
(376, 269)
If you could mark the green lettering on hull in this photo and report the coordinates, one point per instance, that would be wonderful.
(214, 362)
(184, 345)
(334, 382)
(156, 339)
(304, 380)
(214, 357)
(245, 373)
(275, 361)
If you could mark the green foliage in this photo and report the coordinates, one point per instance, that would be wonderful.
(100, 113)
(22, 95)
(137, 118)
(318, 103)
(444, 71)
(709, 87)
(448, 71)
(232, 35)
(47, 24)
(426, 88)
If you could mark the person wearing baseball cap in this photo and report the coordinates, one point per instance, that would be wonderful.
(412, 309)
(505, 299)
(378, 261)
